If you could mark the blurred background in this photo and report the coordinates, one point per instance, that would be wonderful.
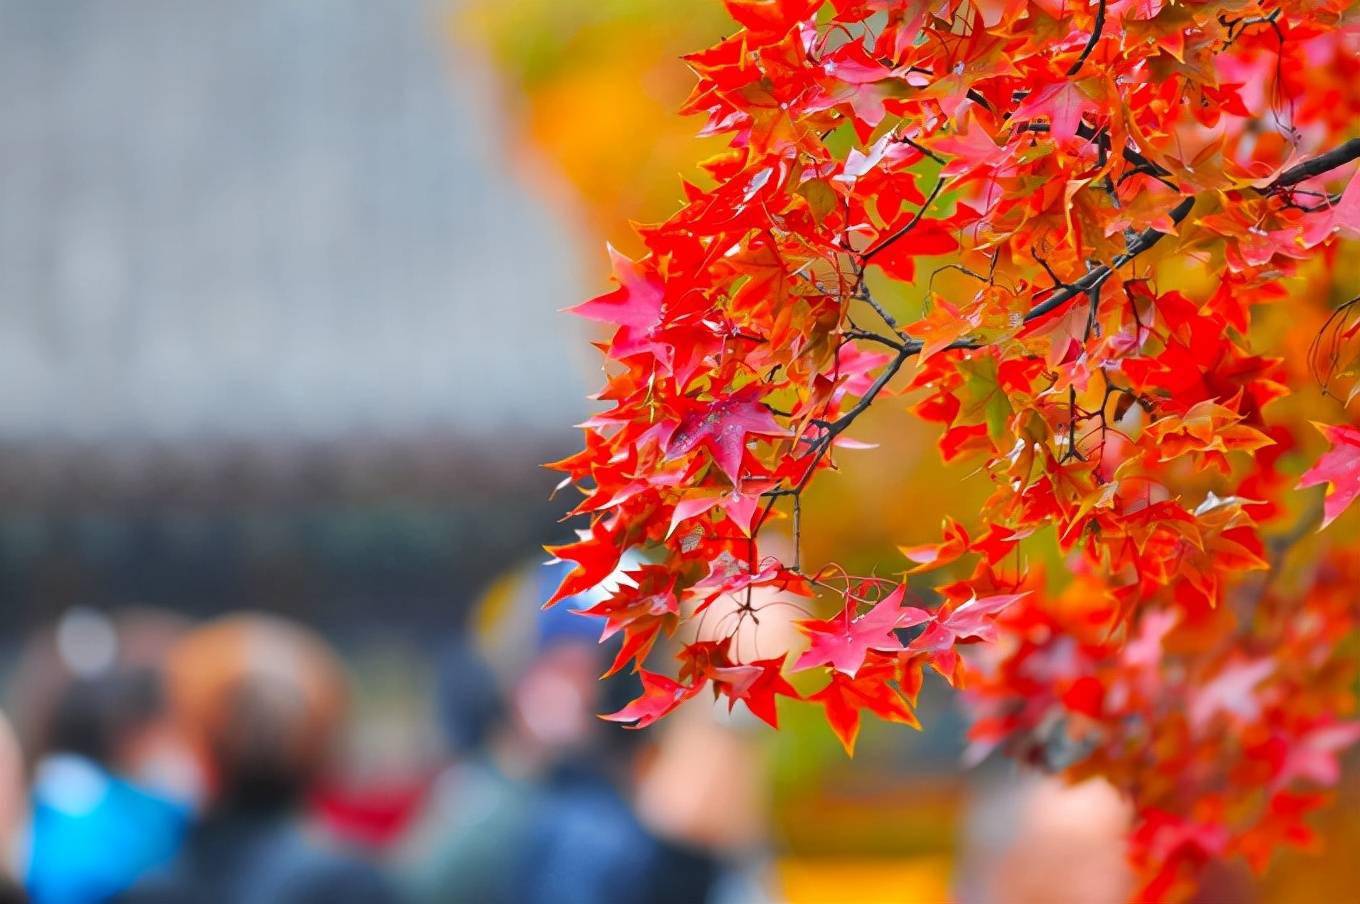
(280, 358)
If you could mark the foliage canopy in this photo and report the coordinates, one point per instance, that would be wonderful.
(1126, 223)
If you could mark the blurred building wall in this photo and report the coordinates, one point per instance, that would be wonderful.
(264, 279)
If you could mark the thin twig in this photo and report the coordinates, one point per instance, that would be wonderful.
(910, 225)
(869, 336)
(864, 296)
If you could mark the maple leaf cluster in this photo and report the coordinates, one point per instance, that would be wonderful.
(1095, 204)
(1223, 731)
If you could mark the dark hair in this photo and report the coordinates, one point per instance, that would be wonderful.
(469, 698)
(94, 715)
(257, 766)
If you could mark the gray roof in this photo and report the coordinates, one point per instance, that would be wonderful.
(267, 221)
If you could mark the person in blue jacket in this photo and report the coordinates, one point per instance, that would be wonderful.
(94, 830)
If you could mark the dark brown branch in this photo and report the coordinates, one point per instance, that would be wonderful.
(869, 336)
(916, 346)
(909, 349)
(1317, 165)
(1093, 280)
(1057, 282)
(1238, 27)
(1090, 44)
(1140, 163)
(908, 227)
(864, 296)
(922, 148)
(838, 426)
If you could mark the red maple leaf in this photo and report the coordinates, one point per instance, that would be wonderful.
(974, 620)
(871, 689)
(636, 302)
(936, 555)
(769, 17)
(596, 556)
(722, 427)
(843, 642)
(1314, 755)
(1063, 104)
(897, 256)
(659, 696)
(635, 307)
(755, 684)
(1339, 468)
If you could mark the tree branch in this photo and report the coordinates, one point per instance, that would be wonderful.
(1317, 165)
(1140, 163)
(1088, 285)
(1091, 43)
(869, 336)
(910, 225)
(864, 296)
(1093, 280)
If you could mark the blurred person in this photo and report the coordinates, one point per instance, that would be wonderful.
(262, 701)
(461, 845)
(703, 790)
(13, 814)
(111, 793)
(542, 802)
(588, 844)
(516, 701)
(1034, 839)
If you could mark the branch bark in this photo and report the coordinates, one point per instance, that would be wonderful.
(1093, 280)
(1091, 43)
(1088, 285)
(911, 224)
(1323, 163)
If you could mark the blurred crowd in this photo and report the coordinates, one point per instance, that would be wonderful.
(150, 760)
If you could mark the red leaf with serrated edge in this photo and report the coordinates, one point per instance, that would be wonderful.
(638, 640)
(1062, 104)
(1344, 216)
(770, 16)
(756, 684)
(635, 303)
(844, 697)
(596, 556)
(842, 710)
(1339, 468)
(926, 239)
(1085, 696)
(723, 427)
(1313, 756)
(659, 696)
(843, 642)
(937, 555)
(975, 618)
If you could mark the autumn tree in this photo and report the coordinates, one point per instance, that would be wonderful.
(1123, 228)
